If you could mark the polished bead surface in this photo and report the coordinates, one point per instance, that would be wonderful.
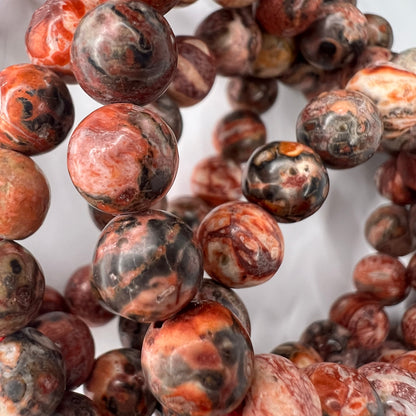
(74, 340)
(132, 333)
(300, 355)
(22, 286)
(147, 266)
(24, 192)
(117, 386)
(32, 375)
(122, 158)
(36, 109)
(287, 179)
(52, 301)
(199, 362)
(380, 32)
(343, 127)
(242, 244)
(124, 51)
(76, 404)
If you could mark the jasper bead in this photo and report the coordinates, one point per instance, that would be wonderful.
(83, 300)
(387, 230)
(408, 326)
(234, 3)
(132, 333)
(74, 340)
(123, 51)
(147, 266)
(407, 361)
(199, 362)
(342, 390)
(22, 286)
(253, 94)
(279, 388)
(380, 32)
(287, 179)
(238, 134)
(383, 276)
(233, 37)
(241, 243)
(336, 37)
(36, 109)
(117, 386)
(300, 355)
(195, 73)
(406, 166)
(411, 271)
(216, 180)
(24, 192)
(343, 127)
(52, 301)
(76, 404)
(122, 158)
(32, 375)
(283, 18)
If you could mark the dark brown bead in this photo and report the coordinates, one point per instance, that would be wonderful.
(254, 94)
(74, 340)
(411, 271)
(76, 404)
(132, 333)
(406, 166)
(52, 301)
(408, 326)
(234, 3)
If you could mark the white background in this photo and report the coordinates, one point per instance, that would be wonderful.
(320, 252)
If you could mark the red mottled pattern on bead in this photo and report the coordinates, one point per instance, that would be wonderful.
(408, 326)
(117, 385)
(74, 340)
(407, 361)
(406, 166)
(363, 315)
(122, 158)
(200, 362)
(300, 355)
(411, 271)
(242, 244)
(24, 194)
(343, 391)
(383, 276)
(52, 301)
(279, 388)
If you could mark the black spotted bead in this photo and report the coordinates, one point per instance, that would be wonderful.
(147, 266)
(287, 179)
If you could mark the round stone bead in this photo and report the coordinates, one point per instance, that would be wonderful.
(124, 51)
(21, 287)
(242, 244)
(117, 385)
(83, 300)
(36, 109)
(147, 266)
(32, 375)
(132, 333)
(122, 158)
(234, 3)
(195, 73)
(199, 362)
(238, 134)
(380, 32)
(343, 127)
(300, 355)
(287, 179)
(76, 404)
(52, 301)
(75, 341)
(233, 37)
(24, 193)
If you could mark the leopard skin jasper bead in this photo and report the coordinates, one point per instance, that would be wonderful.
(22, 286)
(287, 179)
(233, 37)
(195, 73)
(241, 243)
(123, 51)
(36, 109)
(336, 37)
(76, 404)
(147, 266)
(32, 374)
(406, 59)
(117, 385)
(393, 90)
(75, 341)
(380, 32)
(24, 194)
(343, 391)
(300, 355)
(50, 33)
(199, 362)
(395, 386)
(122, 158)
(407, 360)
(287, 18)
(131, 333)
(343, 127)
(237, 134)
(279, 388)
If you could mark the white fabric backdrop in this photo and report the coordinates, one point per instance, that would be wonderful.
(321, 251)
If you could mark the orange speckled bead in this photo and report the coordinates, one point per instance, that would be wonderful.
(24, 193)
(36, 109)
(122, 158)
(242, 244)
(407, 361)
